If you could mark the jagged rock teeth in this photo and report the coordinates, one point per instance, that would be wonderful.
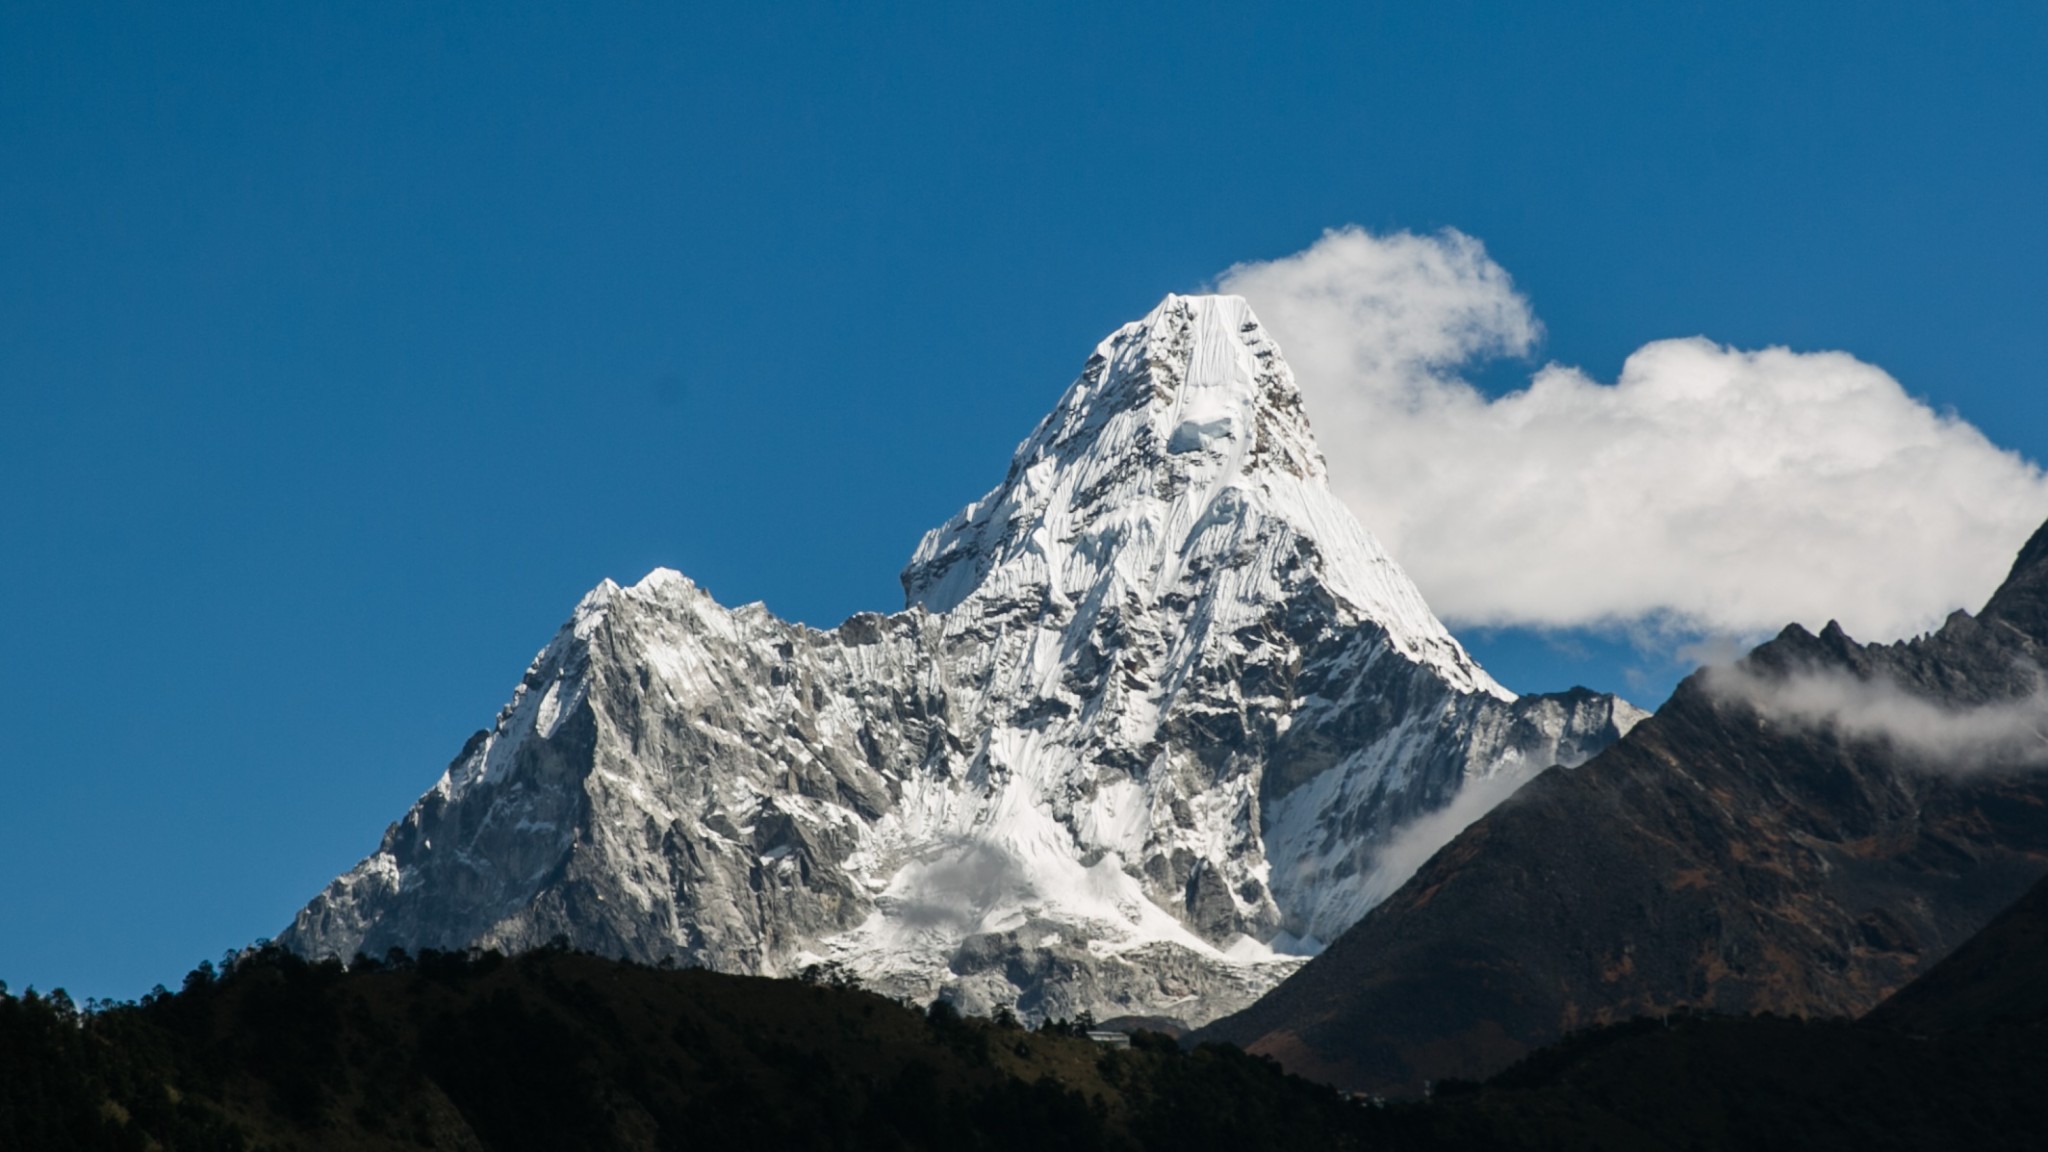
(1153, 705)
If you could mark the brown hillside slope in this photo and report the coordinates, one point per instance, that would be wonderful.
(1715, 858)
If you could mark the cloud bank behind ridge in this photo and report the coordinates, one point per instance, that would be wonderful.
(1708, 490)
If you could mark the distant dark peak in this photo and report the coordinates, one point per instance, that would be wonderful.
(1795, 635)
(1797, 652)
(1838, 643)
(1796, 648)
(1960, 627)
(1691, 693)
(2022, 601)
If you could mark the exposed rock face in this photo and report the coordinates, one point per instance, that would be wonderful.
(1152, 706)
(1801, 835)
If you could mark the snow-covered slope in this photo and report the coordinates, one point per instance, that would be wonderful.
(1155, 703)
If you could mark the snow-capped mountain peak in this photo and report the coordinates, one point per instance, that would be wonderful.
(1154, 706)
(1179, 464)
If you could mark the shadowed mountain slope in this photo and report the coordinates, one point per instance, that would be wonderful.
(1999, 977)
(1956, 1059)
(1729, 855)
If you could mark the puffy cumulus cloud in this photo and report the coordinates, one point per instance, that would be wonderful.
(1708, 490)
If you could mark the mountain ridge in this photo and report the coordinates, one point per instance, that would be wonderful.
(1729, 854)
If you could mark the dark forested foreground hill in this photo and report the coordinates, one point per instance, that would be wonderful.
(558, 1050)
(1957, 1059)
(1997, 979)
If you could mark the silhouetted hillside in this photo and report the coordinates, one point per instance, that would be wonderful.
(556, 1050)
(1955, 1060)
(1998, 978)
(1748, 1084)
(564, 1051)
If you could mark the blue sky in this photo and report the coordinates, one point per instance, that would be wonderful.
(343, 347)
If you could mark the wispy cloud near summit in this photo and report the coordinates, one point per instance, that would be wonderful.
(1710, 488)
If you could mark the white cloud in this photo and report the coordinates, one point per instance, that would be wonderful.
(1410, 847)
(1708, 490)
(2006, 734)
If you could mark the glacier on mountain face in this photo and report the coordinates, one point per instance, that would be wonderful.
(1151, 708)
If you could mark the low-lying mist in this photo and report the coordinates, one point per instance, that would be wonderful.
(2006, 734)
